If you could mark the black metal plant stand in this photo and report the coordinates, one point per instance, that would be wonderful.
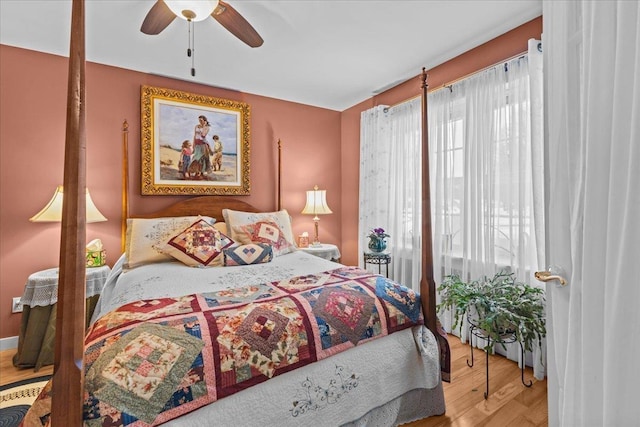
(475, 331)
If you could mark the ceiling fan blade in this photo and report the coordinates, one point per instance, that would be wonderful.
(229, 18)
(157, 19)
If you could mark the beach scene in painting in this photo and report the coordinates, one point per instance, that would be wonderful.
(169, 168)
(196, 145)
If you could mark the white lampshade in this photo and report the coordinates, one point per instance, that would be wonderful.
(316, 202)
(316, 205)
(52, 212)
(192, 10)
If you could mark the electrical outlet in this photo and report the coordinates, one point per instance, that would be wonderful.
(16, 305)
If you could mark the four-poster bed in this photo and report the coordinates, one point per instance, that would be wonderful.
(331, 373)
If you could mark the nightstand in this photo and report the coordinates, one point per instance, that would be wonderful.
(379, 259)
(325, 250)
(36, 341)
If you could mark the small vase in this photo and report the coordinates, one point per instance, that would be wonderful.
(377, 244)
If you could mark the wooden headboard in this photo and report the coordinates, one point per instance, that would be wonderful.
(202, 205)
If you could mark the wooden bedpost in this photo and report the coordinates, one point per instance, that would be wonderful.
(125, 183)
(279, 185)
(68, 374)
(427, 283)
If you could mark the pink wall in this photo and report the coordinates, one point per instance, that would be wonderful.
(32, 133)
(505, 46)
(319, 147)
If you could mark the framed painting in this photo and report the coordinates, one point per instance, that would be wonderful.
(193, 144)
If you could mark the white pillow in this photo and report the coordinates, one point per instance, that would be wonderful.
(145, 237)
(234, 219)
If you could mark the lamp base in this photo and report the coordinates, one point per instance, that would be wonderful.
(316, 244)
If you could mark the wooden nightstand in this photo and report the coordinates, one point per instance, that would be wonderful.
(325, 250)
(38, 326)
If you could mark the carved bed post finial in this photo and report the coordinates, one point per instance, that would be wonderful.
(423, 77)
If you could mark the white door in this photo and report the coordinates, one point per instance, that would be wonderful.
(592, 147)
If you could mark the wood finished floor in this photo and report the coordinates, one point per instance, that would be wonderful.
(509, 404)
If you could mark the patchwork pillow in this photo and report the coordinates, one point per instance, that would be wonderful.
(264, 232)
(237, 218)
(145, 237)
(199, 245)
(253, 253)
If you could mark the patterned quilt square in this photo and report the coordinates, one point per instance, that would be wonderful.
(345, 315)
(140, 372)
(259, 341)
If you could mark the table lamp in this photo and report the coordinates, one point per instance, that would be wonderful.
(316, 205)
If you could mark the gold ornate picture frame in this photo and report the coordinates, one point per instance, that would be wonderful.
(193, 144)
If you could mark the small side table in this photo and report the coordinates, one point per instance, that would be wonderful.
(379, 259)
(325, 250)
(504, 339)
(39, 307)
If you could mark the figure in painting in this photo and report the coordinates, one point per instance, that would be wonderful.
(200, 160)
(185, 158)
(217, 153)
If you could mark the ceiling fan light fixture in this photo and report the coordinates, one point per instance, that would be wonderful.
(192, 10)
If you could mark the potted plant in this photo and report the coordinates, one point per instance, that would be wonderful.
(377, 242)
(500, 307)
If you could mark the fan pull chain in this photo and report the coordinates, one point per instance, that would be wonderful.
(191, 50)
(193, 46)
(189, 23)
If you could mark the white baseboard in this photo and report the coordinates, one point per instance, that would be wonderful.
(8, 343)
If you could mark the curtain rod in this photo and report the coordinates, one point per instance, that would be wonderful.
(466, 76)
(444, 85)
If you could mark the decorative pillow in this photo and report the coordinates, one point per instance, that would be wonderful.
(237, 218)
(253, 253)
(199, 245)
(264, 232)
(145, 236)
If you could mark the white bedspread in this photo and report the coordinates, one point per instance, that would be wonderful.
(330, 392)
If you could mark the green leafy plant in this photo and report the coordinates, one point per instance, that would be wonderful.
(500, 307)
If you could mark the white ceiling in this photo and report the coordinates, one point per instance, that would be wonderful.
(330, 53)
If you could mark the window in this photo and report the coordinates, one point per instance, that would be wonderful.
(481, 173)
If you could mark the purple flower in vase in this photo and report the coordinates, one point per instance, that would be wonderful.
(378, 233)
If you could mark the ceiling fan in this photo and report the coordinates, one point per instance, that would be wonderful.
(163, 12)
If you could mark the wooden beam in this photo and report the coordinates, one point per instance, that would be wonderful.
(68, 374)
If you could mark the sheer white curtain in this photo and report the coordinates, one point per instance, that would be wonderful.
(486, 176)
(390, 189)
(592, 77)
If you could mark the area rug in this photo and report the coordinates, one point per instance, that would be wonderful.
(16, 398)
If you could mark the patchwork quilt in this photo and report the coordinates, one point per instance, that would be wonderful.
(153, 360)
